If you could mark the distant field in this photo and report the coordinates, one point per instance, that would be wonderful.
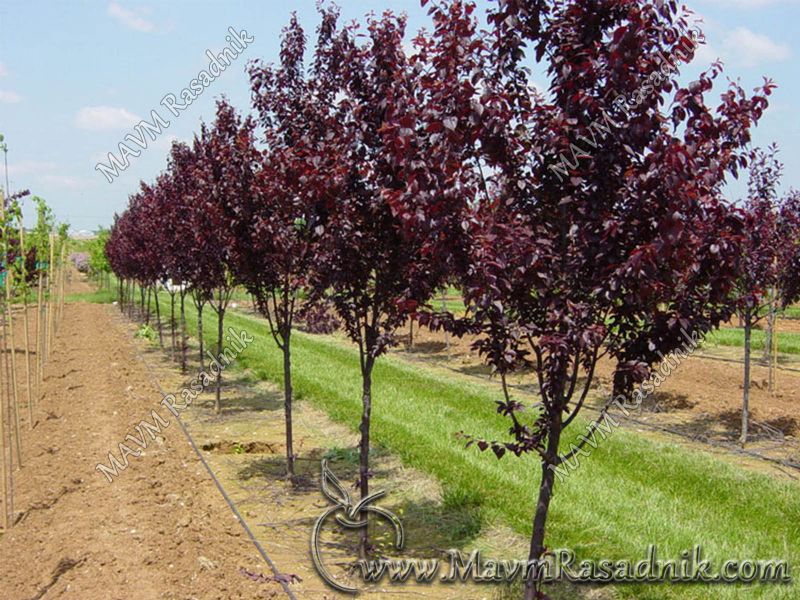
(793, 312)
(788, 343)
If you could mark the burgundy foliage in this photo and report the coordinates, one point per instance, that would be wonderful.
(378, 263)
(630, 251)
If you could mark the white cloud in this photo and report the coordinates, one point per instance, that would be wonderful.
(706, 54)
(130, 19)
(66, 181)
(37, 173)
(104, 118)
(28, 167)
(750, 49)
(9, 97)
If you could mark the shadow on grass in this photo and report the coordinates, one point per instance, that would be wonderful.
(431, 527)
(238, 395)
(667, 402)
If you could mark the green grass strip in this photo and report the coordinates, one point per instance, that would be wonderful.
(631, 492)
(788, 343)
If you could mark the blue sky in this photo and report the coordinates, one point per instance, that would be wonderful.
(76, 76)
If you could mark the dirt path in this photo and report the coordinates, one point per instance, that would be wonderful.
(160, 530)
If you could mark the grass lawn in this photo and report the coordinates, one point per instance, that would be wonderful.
(788, 343)
(632, 491)
(97, 297)
(792, 312)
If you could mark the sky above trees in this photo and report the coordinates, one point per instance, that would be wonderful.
(75, 78)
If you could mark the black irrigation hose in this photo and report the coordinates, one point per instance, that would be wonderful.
(279, 577)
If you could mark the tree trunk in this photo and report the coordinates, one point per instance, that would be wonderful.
(158, 317)
(746, 392)
(363, 457)
(200, 306)
(172, 323)
(287, 402)
(769, 359)
(183, 331)
(149, 291)
(444, 309)
(537, 547)
(220, 324)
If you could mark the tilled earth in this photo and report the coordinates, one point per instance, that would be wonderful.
(159, 530)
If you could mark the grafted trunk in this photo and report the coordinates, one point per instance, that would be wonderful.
(183, 331)
(363, 455)
(200, 307)
(149, 290)
(549, 463)
(220, 325)
(287, 402)
(158, 318)
(172, 323)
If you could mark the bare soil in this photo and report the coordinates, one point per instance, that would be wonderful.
(160, 530)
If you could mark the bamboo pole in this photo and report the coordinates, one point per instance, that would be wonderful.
(12, 343)
(10, 318)
(39, 344)
(51, 270)
(63, 281)
(8, 442)
(5, 449)
(3, 454)
(25, 321)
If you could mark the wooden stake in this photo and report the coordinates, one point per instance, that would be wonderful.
(3, 454)
(39, 344)
(12, 343)
(8, 445)
(63, 282)
(51, 269)
(10, 318)
(25, 320)
(5, 449)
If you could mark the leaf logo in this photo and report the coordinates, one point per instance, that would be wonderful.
(349, 516)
